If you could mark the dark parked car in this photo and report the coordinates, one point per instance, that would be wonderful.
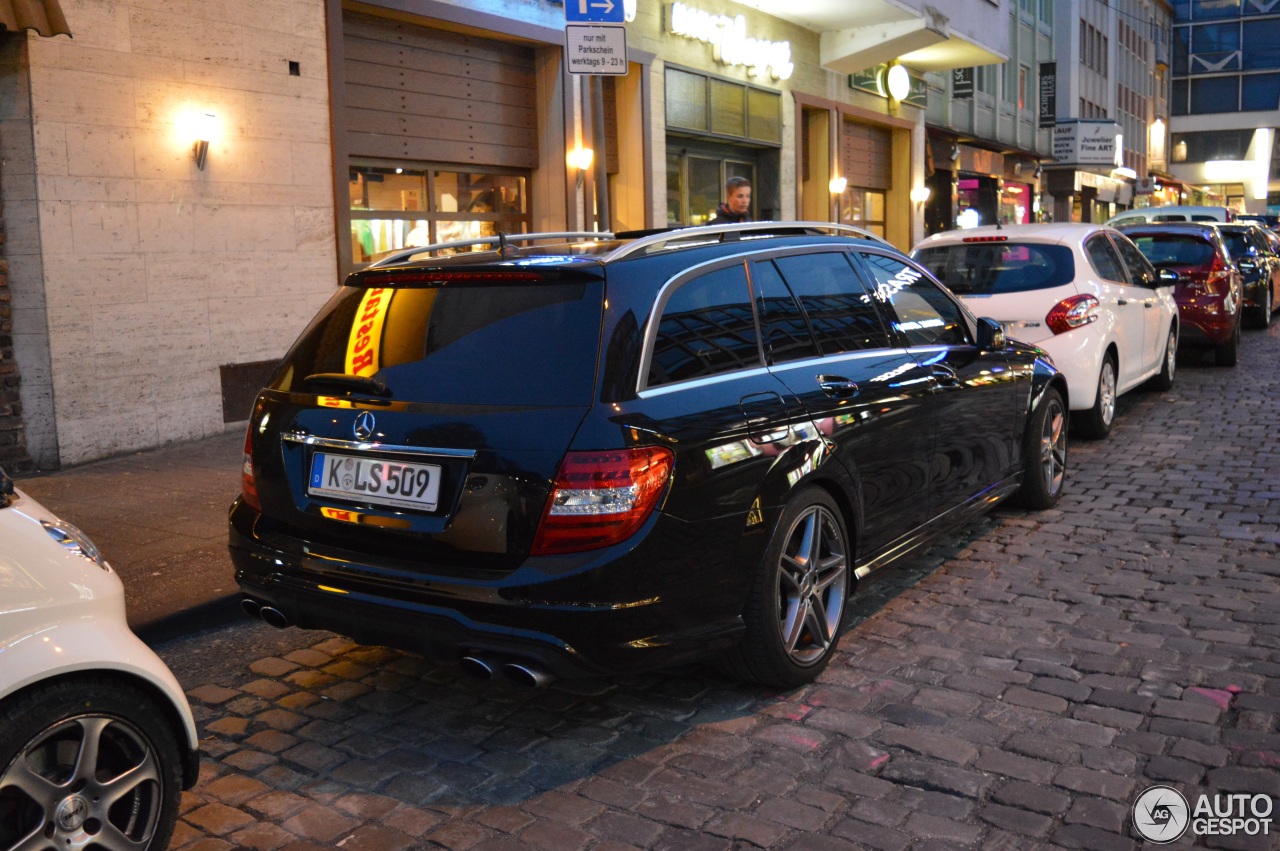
(1259, 265)
(1208, 287)
(596, 456)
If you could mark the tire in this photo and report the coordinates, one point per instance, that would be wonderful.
(44, 791)
(1095, 423)
(796, 604)
(1164, 380)
(1044, 454)
(1262, 315)
(1228, 354)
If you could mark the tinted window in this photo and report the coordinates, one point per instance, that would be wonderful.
(1140, 271)
(707, 327)
(922, 311)
(470, 344)
(834, 301)
(786, 333)
(1104, 258)
(985, 268)
(1237, 242)
(1175, 250)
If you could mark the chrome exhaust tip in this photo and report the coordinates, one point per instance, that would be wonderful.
(251, 607)
(475, 666)
(274, 616)
(525, 674)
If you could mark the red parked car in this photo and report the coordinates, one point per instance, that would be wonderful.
(1209, 290)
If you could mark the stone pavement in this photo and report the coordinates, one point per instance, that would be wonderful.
(1016, 687)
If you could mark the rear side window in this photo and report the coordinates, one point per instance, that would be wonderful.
(1104, 258)
(707, 327)
(834, 301)
(1166, 250)
(786, 332)
(468, 344)
(990, 268)
(1238, 244)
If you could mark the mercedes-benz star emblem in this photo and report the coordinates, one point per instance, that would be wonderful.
(364, 425)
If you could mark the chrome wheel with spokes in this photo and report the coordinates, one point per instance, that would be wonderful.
(91, 777)
(797, 600)
(811, 585)
(1045, 454)
(1096, 422)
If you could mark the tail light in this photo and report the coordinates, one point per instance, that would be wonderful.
(1217, 280)
(248, 487)
(1072, 312)
(601, 498)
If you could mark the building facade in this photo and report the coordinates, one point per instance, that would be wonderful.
(1225, 102)
(184, 188)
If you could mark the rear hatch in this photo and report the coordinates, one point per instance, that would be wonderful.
(1201, 270)
(423, 413)
(1016, 283)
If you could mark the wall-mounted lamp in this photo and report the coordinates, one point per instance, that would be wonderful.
(1038, 172)
(580, 158)
(838, 185)
(897, 82)
(1017, 169)
(919, 195)
(955, 153)
(205, 125)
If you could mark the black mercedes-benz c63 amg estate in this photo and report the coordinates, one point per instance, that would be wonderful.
(590, 454)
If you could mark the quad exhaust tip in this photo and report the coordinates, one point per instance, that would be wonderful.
(270, 614)
(520, 673)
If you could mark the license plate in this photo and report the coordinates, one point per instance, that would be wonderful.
(376, 480)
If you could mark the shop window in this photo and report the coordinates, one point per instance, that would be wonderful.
(695, 184)
(864, 208)
(408, 206)
(728, 108)
(724, 107)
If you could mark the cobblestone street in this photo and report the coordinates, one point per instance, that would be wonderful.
(1016, 687)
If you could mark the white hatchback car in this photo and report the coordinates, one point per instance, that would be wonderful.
(96, 737)
(1082, 292)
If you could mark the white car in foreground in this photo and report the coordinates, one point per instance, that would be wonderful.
(96, 737)
(1082, 292)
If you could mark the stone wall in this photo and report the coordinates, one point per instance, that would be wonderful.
(13, 444)
(150, 273)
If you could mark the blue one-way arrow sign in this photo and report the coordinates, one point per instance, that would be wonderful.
(593, 11)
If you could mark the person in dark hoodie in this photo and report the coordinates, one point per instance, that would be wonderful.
(737, 206)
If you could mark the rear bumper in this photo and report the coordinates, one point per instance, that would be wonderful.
(626, 608)
(1200, 328)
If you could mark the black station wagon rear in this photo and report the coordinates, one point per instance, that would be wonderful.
(592, 455)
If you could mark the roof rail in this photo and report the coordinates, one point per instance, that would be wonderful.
(500, 239)
(707, 234)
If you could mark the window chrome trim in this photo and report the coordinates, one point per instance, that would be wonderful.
(301, 437)
(837, 358)
(704, 381)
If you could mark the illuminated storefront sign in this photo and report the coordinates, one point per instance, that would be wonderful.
(728, 38)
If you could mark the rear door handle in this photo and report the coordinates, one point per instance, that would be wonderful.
(1122, 301)
(837, 386)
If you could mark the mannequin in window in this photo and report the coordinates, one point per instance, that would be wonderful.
(736, 208)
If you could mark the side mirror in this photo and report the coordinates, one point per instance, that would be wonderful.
(1168, 277)
(990, 335)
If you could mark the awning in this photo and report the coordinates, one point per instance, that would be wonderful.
(43, 16)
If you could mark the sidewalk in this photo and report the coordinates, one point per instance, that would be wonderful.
(160, 518)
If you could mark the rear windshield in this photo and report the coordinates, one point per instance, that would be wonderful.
(1237, 242)
(989, 268)
(525, 344)
(1173, 249)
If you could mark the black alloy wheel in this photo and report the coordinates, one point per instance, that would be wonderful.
(1044, 454)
